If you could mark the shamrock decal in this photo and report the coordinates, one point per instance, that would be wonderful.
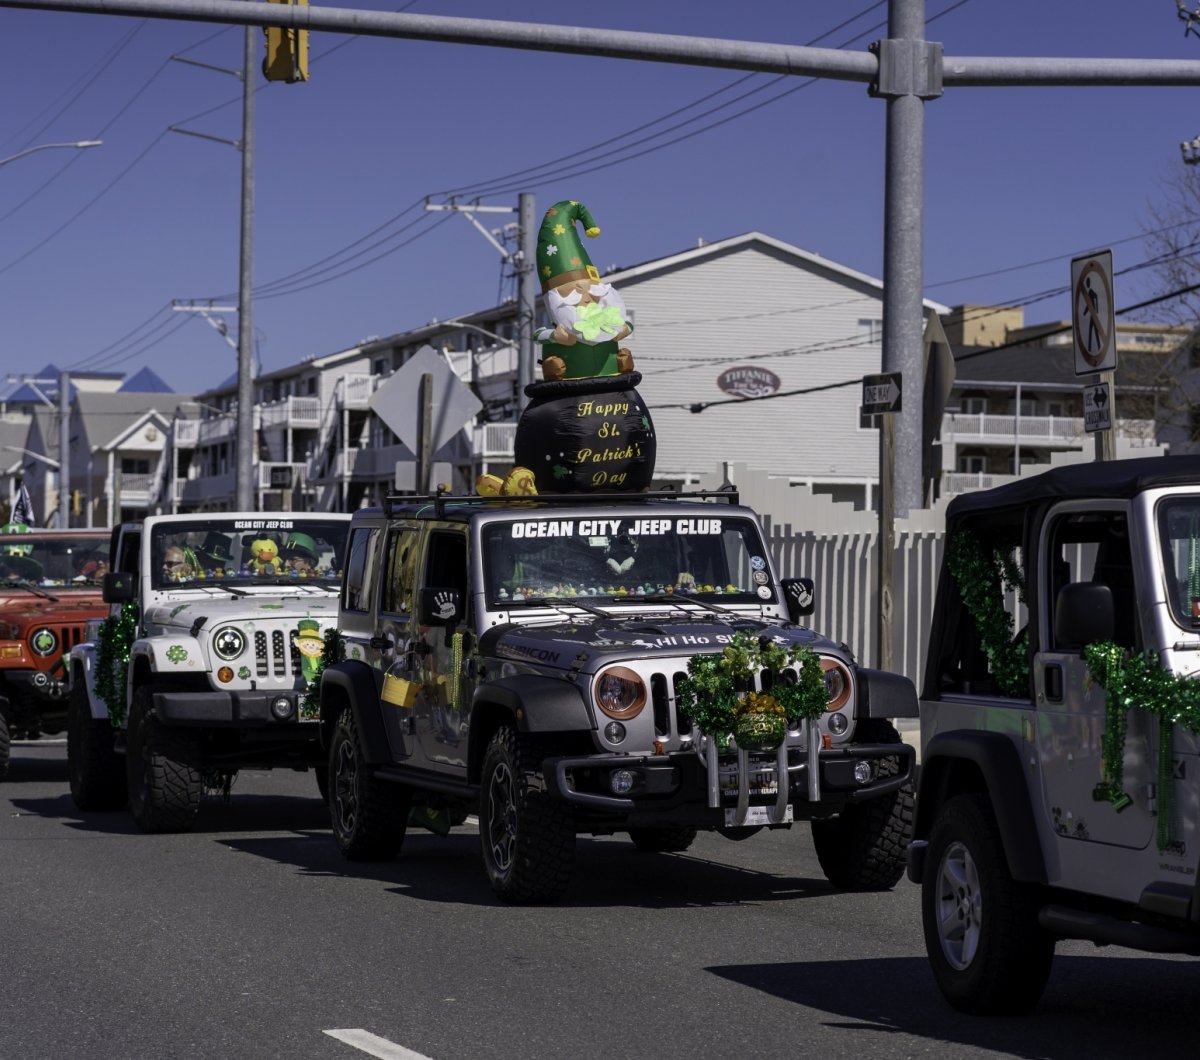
(244, 673)
(177, 653)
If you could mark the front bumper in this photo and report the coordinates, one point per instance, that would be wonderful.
(227, 710)
(675, 785)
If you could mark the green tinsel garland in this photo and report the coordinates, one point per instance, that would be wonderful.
(715, 683)
(310, 704)
(981, 579)
(117, 634)
(1137, 682)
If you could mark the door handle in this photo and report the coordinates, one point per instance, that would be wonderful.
(1053, 676)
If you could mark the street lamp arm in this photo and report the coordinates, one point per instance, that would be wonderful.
(46, 147)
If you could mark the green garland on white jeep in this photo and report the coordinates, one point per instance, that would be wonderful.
(117, 633)
(982, 580)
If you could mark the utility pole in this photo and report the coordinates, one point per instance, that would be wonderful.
(246, 443)
(522, 261)
(64, 450)
(245, 387)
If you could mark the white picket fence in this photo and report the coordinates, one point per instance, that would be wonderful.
(815, 537)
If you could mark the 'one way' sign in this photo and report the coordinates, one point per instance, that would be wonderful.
(881, 393)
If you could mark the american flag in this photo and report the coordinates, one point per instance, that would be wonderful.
(23, 507)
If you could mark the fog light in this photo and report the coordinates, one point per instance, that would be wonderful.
(225, 674)
(620, 781)
(838, 724)
(614, 732)
(40, 679)
(863, 772)
(281, 707)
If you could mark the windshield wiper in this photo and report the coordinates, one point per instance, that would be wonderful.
(678, 601)
(30, 587)
(559, 603)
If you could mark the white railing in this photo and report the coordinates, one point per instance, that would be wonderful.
(357, 388)
(275, 476)
(958, 427)
(494, 441)
(186, 432)
(962, 481)
(216, 429)
(292, 411)
(135, 483)
(207, 488)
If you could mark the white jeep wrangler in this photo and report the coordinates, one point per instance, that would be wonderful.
(1060, 777)
(215, 636)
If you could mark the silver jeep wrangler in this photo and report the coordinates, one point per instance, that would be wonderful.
(1060, 776)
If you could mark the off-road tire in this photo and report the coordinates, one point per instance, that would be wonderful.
(663, 840)
(865, 846)
(987, 952)
(165, 784)
(527, 837)
(322, 772)
(97, 773)
(369, 816)
(5, 747)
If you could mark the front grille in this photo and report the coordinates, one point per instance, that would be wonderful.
(276, 655)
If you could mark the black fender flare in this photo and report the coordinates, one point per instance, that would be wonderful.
(882, 694)
(360, 685)
(537, 703)
(954, 763)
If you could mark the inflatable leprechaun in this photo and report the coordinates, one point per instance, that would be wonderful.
(586, 428)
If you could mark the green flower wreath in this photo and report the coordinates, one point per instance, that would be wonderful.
(310, 704)
(718, 686)
(117, 634)
(982, 578)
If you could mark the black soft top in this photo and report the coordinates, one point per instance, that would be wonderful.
(1112, 478)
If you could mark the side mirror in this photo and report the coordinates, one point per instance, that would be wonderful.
(119, 586)
(1083, 614)
(440, 607)
(799, 594)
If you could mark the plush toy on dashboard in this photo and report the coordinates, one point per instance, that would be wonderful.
(264, 556)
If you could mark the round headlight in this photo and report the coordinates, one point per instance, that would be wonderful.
(43, 642)
(620, 693)
(229, 642)
(837, 683)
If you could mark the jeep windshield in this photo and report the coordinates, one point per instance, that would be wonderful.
(292, 549)
(619, 559)
(63, 562)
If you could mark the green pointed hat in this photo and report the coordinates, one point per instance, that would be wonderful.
(561, 256)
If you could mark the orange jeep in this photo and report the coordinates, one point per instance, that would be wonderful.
(50, 584)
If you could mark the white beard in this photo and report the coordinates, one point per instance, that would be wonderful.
(565, 311)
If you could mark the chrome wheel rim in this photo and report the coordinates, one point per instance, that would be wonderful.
(345, 779)
(501, 818)
(958, 906)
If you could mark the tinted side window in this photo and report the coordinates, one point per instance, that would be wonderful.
(402, 552)
(357, 594)
(447, 566)
(1094, 547)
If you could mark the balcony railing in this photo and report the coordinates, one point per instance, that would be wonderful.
(292, 411)
(187, 433)
(280, 476)
(209, 488)
(1064, 431)
(357, 388)
(963, 481)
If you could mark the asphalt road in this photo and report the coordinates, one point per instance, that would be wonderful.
(252, 938)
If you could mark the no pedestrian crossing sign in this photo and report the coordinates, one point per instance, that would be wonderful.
(1093, 318)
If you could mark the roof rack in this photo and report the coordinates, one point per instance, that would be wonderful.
(444, 499)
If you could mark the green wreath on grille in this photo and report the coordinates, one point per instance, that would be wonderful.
(116, 637)
(718, 690)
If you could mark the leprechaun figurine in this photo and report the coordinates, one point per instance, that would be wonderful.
(589, 315)
(311, 645)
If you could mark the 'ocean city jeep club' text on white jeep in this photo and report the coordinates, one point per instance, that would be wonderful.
(1058, 799)
(523, 658)
(203, 668)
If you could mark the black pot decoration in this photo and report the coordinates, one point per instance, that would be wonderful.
(590, 435)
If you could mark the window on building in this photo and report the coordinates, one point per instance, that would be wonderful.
(975, 406)
(870, 329)
(131, 465)
(1055, 408)
(1029, 406)
(973, 465)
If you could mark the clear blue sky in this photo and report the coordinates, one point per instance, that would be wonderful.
(94, 245)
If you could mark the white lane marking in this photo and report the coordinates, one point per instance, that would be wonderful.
(373, 1045)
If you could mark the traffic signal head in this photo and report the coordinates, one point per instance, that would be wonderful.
(286, 58)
